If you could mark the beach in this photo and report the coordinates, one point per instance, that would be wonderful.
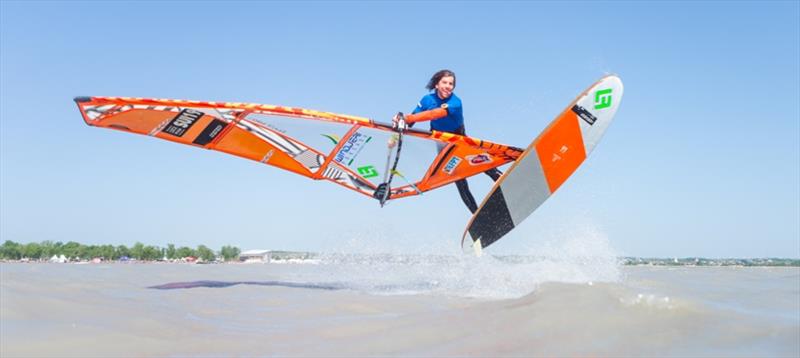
(398, 306)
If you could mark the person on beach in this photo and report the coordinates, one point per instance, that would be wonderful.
(441, 86)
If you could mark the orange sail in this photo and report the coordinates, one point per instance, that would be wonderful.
(343, 149)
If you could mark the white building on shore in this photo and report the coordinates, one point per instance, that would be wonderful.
(255, 256)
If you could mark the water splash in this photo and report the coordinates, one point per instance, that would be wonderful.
(376, 265)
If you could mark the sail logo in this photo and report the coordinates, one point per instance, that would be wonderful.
(367, 171)
(267, 156)
(451, 165)
(210, 132)
(479, 159)
(351, 148)
(602, 99)
(179, 125)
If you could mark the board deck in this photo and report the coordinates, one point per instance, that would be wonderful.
(545, 165)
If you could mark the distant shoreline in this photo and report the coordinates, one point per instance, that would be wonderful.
(308, 257)
(705, 262)
(78, 253)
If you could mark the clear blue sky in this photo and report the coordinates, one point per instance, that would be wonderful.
(703, 158)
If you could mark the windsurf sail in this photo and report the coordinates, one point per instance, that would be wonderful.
(343, 149)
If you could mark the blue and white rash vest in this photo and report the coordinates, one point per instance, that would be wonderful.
(455, 114)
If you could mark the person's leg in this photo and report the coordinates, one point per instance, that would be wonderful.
(494, 173)
(466, 195)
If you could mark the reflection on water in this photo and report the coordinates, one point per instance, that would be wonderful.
(222, 284)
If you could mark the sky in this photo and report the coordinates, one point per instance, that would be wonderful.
(703, 157)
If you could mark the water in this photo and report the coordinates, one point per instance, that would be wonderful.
(392, 304)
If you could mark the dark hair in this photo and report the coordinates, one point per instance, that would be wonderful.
(438, 77)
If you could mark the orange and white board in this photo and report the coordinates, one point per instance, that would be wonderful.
(545, 165)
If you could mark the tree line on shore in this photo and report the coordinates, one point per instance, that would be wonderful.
(44, 250)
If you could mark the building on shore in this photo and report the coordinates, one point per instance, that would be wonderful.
(254, 256)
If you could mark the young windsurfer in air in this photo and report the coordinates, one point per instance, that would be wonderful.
(441, 85)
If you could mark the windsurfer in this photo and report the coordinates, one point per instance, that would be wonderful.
(441, 85)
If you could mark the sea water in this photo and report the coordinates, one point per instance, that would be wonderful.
(568, 301)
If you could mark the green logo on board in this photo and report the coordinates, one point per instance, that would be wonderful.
(367, 171)
(602, 99)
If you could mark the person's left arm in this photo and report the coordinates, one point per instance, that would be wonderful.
(429, 115)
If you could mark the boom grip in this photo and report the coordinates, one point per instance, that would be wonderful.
(428, 115)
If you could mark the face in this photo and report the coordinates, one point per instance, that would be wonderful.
(445, 87)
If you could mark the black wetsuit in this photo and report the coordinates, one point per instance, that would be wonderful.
(453, 123)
